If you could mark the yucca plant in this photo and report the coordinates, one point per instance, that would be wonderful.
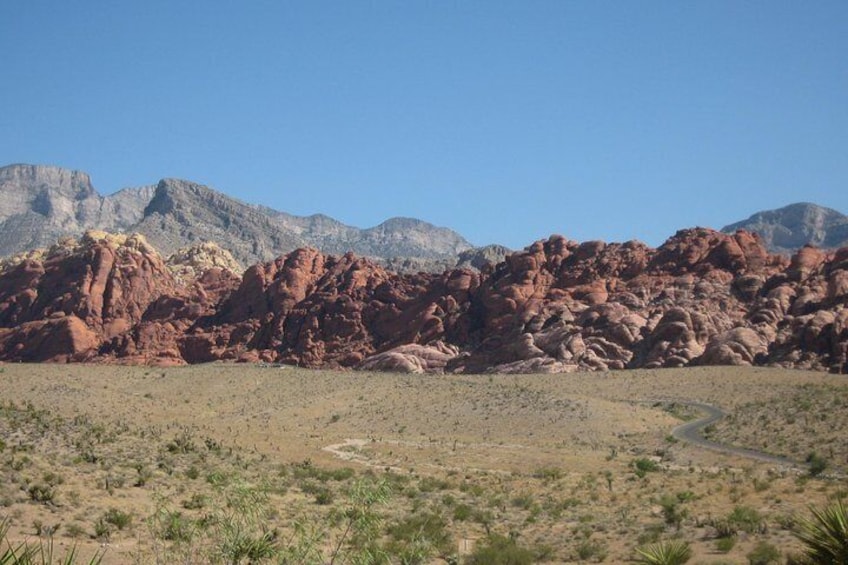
(826, 535)
(20, 553)
(40, 553)
(673, 552)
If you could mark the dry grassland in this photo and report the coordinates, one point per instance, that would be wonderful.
(170, 465)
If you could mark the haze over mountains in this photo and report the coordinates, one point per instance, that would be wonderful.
(786, 229)
(41, 204)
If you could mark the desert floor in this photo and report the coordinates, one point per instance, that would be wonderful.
(577, 467)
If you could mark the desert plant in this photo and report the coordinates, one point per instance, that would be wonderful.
(825, 535)
(500, 550)
(102, 530)
(673, 514)
(591, 549)
(117, 518)
(746, 519)
(817, 464)
(673, 552)
(40, 553)
(763, 554)
(172, 526)
(419, 536)
(361, 524)
(303, 547)
(240, 524)
(725, 544)
(42, 493)
(643, 466)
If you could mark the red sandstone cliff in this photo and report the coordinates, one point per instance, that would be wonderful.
(703, 297)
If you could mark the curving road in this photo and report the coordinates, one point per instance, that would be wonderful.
(691, 432)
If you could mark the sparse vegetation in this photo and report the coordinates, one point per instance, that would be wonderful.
(763, 553)
(254, 487)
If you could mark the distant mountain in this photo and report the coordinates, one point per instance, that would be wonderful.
(40, 204)
(786, 229)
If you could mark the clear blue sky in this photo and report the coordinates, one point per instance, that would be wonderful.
(507, 121)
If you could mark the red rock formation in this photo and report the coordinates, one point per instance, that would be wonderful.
(703, 297)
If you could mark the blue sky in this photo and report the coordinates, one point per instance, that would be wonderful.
(507, 121)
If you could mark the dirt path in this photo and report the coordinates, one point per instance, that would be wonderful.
(691, 432)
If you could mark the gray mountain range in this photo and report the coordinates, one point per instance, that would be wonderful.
(786, 229)
(40, 204)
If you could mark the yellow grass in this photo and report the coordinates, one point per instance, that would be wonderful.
(546, 458)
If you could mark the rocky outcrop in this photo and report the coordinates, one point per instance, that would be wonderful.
(189, 263)
(703, 297)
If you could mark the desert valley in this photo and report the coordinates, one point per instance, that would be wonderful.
(422, 401)
(236, 463)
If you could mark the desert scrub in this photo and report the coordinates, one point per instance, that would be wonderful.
(500, 550)
(418, 537)
(674, 552)
(591, 549)
(764, 553)
(38, 553)
(42, 492)
(643, 466)
(117, 518)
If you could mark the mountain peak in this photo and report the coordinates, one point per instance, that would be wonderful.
(786, 229)
(46, 203)
(65, 181)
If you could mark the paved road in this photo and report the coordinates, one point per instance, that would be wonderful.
(691, 432)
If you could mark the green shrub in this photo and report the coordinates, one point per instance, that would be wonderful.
(725, 544)
(462, 512)
(42, 493)
(763, 554)
(173, 526)
(643, 466)
(420, 536)
(591, 549)
(744, 519)
(499, 550)
(673, 514)
(548, 474)
(102, 530)
(117, 518)
(817, 464)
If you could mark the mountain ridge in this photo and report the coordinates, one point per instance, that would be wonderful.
(791, 227)
(43, 203)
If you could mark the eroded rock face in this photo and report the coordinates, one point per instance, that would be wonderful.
(703, 297)
(82, 299)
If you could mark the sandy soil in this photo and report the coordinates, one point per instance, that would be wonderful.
(567, 442)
